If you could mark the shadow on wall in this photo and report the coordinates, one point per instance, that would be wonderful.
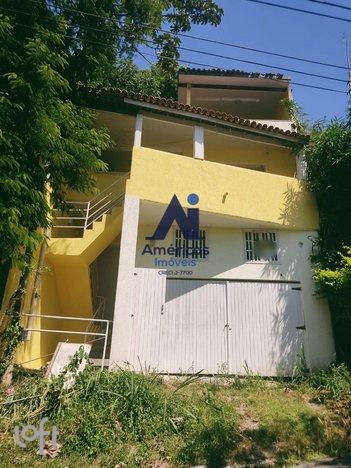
(293, 202)
(287, 341)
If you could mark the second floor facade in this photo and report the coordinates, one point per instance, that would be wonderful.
(246, 171)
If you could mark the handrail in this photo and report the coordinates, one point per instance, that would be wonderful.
(123, 177)
(103, 335)
(107, 198)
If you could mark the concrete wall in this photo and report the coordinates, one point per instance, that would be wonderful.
(283, 202)
(227, 261)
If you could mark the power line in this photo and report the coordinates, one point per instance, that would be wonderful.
(335, 5)
(285, 7)
(315, 75)
(235, 59)
(194, 63)
(261, 51)
(322, 88)
(143, 56)
(212, 41)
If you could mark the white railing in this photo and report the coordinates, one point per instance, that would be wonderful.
(98, 313)
(81, 214)
(101, 335)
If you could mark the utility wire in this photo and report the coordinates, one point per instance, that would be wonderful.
(315, 75)
(212, 41)
(143, 56)
(285, 7)
(261, 51)
(192, 62)
(335, 5)
(322, 88)
(235, 59)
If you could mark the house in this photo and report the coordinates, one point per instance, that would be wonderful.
(195, 253)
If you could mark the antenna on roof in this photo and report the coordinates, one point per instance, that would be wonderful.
(348, 59)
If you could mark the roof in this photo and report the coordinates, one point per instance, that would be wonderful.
(230, 72)
(117, 95)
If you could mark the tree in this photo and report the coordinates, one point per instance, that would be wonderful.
(102, 35)
(45, 141)
(329, 167)
(48, 144)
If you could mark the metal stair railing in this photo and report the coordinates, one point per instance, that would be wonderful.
(81, 215)
(98, 313)
(103, 335)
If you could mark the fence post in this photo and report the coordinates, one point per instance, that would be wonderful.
(105, 345)
(86, 217)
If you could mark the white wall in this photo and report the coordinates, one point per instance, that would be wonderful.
(227, 260)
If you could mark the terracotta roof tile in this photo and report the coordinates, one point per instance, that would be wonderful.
(113, 95)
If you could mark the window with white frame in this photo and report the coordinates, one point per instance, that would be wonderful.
(261, 246)
(191, 248)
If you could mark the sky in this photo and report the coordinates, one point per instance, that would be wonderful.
(286, 32)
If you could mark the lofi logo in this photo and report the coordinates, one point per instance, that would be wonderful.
(188, 222)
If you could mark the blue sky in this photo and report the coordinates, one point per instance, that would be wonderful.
(287, 32)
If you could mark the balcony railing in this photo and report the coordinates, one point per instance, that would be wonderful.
(80, 215)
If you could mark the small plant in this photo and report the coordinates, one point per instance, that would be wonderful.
(332, 384)
(296, 113)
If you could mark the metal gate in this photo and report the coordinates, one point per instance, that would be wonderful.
(215, 326)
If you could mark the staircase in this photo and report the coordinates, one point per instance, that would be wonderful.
(79, 216)
(79, 235)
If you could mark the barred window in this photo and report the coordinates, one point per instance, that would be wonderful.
(261, 246)
(190, 248)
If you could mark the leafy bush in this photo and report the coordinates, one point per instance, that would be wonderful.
(329, 168)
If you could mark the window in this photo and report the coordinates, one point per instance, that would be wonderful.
(261, 246)
(191, 248)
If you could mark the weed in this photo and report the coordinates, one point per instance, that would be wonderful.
(128, 419)
(332, 384)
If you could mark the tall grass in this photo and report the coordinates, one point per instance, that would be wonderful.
(135, 420)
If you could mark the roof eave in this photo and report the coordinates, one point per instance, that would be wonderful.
(214, 121)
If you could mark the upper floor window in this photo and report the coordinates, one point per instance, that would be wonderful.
(191, 248)
(261, 246)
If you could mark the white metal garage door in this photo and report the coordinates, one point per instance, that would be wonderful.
(183, 326)
(262, 333)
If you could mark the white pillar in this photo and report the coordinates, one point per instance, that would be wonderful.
(301, 166)
(198, 142)
(138, 130)
(122, 319)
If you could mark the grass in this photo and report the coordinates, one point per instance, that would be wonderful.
(133, 420)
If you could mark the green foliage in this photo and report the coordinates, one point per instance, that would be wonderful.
(332, 384)
(108, 33)
(297, 114)
(128, 76)
(45, 139)
(111, 418)
(47, 143)
(329, 168)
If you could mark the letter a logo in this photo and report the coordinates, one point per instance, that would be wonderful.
(188, 223)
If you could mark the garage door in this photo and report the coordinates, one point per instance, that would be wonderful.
(262, 333)
(185, 326)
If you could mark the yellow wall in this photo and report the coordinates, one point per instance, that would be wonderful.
(103, 180)
(279, 161)
(35, 352)
(244, 194)
(65, 288)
